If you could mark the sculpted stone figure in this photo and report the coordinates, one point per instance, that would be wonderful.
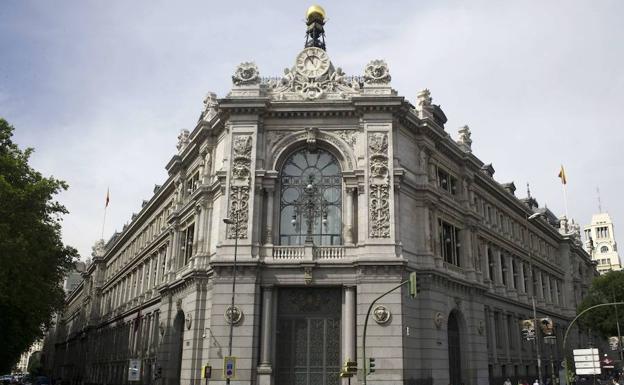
(246, 73)
(377, 72)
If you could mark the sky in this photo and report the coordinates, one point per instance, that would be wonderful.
(101, 89)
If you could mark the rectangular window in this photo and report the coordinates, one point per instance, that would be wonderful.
(499, 330)
(187, 247)
(192, 183)
(503, 262)
(447, 182)
(449, 242)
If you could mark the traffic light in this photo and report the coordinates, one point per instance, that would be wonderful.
(351, 367)
(413, 285)
(371, 366)
(229, 367)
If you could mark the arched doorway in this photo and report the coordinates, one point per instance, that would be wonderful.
(177, 339)
(454, 350)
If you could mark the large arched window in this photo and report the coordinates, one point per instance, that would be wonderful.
(311, 199)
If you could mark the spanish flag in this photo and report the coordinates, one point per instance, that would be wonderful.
(562, 175)
(107, 198)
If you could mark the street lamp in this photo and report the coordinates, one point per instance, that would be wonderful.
(236, 224)
(531, 218)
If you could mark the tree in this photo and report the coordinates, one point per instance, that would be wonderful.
(33, 258)
(604, 289)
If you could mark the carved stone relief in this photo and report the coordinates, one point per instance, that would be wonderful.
(379, 186)
(240, 184)
(312, 77)
(349, 136)
(273, 137)
(246, 74)
(287, 139)
(210, 106)
(377, 72)
(183, 140)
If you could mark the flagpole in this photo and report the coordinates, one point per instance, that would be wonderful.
(564, 182)
(565, 200)
(105, 209)
(103, 222)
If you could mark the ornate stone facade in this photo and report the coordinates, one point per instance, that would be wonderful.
(379, 186)
(240, 180)
(401, 196)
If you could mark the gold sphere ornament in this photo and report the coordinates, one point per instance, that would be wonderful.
(315, 12)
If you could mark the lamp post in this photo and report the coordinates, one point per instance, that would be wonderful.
(531, 218)
(236, 224)
(310, 205)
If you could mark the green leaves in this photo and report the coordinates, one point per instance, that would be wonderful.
(605, 288)
(33, 259)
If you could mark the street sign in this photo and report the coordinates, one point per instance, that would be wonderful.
(589, 364)
(586, 361)
(593, 358)
(229, 367)
(580, 352)
(134, 370)
(585, 371)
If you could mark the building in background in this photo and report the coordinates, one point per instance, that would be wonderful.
(600, 243)
(336, 188)
(74, 277)
(22, 364)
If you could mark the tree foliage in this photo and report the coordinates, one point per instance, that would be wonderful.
(33, 259)
(604, 289)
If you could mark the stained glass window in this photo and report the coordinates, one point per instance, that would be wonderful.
(311, 199)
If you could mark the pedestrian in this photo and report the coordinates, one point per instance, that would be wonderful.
(507, 381)
(536, 382)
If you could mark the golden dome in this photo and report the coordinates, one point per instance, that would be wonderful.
(315, 10)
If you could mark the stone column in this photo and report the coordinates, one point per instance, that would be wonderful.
(492, 328)
(348, 232)
(158, 271)
(549, 296)
(437, 247)
(498, 267)
(256, 222)
(486, 260)
(172, 253)
(511, 280)
(522, 276)
(268, 236)
(349, 334)
(508, 341)
(540, 286)
(198, 233)
(466, 250)
(266, 341)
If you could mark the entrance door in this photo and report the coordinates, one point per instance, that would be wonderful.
(454, 352)
(308, 336)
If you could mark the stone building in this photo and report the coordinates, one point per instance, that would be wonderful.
(335, 188)
(600, 243)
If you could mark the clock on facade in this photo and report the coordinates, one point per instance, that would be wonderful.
(312, 62)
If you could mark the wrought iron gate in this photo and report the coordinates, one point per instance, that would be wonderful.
(308, 336)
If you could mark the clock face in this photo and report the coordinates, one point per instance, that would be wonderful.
(312, 62)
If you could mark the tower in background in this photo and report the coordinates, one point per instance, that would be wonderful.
(600, 243)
